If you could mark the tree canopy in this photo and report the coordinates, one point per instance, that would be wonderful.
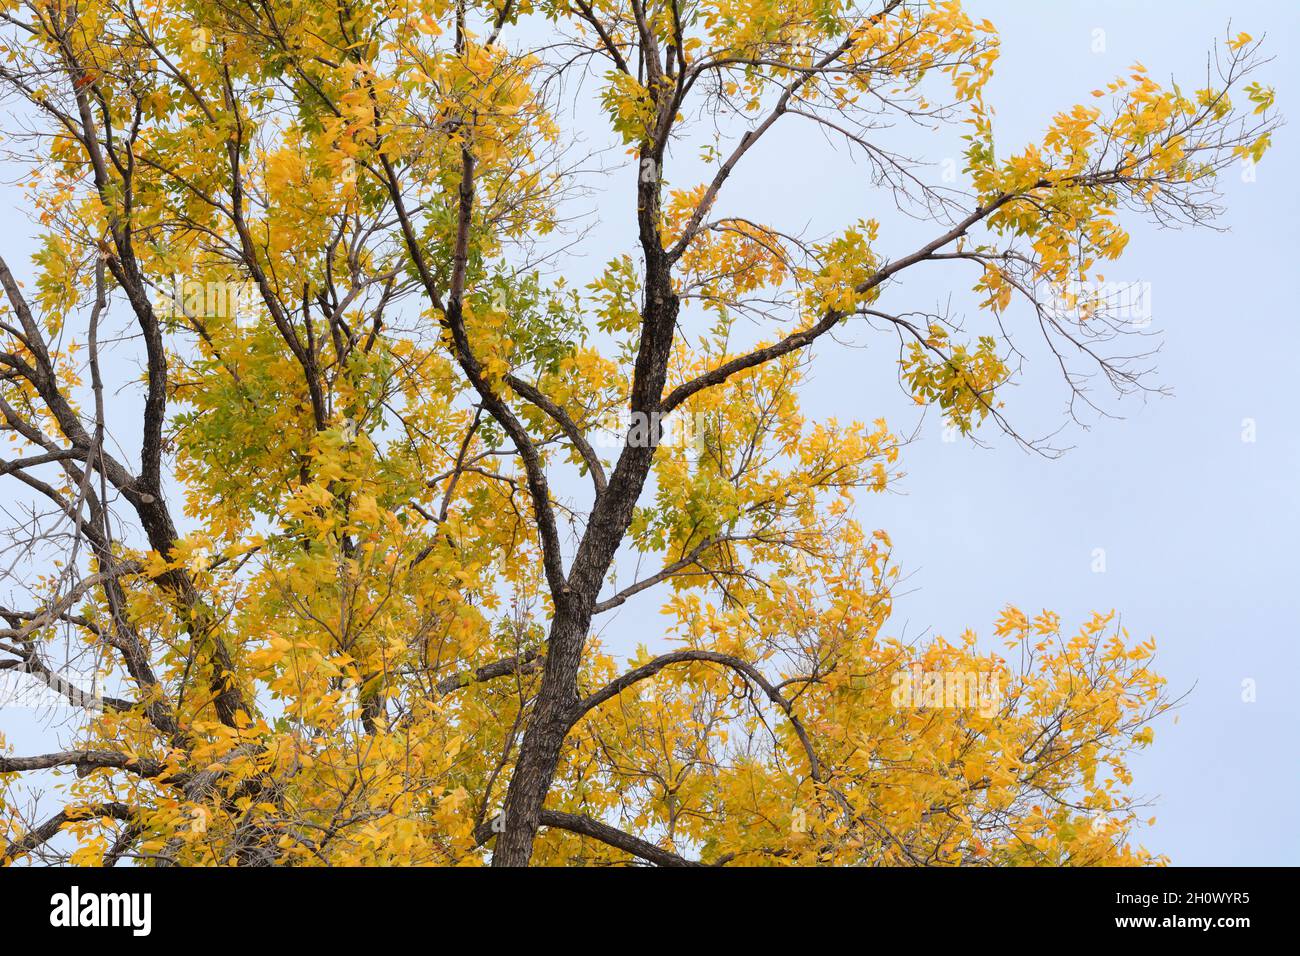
(314, 435)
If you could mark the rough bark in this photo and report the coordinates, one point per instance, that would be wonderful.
(555, 710)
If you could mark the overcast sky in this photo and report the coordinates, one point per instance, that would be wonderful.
(1199, 528)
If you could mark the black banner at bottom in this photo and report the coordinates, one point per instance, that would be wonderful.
(631, 906)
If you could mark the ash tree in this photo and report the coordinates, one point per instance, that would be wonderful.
(313, 512)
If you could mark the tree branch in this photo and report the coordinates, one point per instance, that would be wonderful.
(744, 668)
(570, 427)
(525, 663)
(48, 830)
(611, 836)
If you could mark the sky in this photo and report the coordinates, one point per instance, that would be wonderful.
(1192, 497)
(1199, 527)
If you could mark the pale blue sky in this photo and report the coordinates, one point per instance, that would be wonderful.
(1200, 528)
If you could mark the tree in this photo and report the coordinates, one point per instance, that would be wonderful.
(335, 609)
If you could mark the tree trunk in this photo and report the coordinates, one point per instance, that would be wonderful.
(553, 713)
(539, 753)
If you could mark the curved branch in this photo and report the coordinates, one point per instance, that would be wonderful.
(586, 826)
(797, 340)
(570, 427)
(805, 74)
(742, 667)
(611, 836)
